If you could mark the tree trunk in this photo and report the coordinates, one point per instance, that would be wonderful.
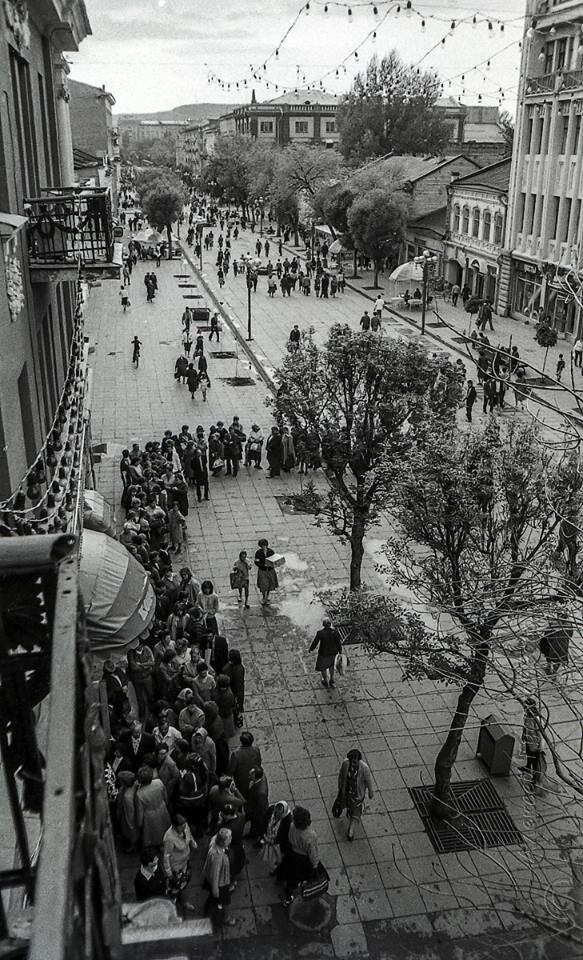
(354, 267)
(169, 234)
(375, 282)
(442, 804)
(356, 550)
(296, 237)
(545, 359)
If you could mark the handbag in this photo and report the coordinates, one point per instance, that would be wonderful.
(337, 807)
(218, 464)
(234, 579)
(310, 889)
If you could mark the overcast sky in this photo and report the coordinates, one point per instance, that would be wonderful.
(157, 54)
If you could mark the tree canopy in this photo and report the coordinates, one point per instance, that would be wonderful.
(162, 204)
(377, 222)
(366, 399)
(390, 109)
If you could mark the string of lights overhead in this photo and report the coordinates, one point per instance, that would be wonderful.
(381, 11)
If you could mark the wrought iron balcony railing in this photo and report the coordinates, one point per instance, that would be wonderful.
(554, 82)
(70, 226)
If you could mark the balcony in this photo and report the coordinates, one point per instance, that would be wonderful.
(554, 82)
(71, 230)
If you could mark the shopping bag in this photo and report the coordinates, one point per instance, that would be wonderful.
(337, 807)
(342, 663)
(234, 579)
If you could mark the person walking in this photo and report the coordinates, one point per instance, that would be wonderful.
(302, 857)
(470, 399)
(191, 379)
(215, 330)
(137, 344)
(181, 369)
(379, 306)
(240, 577)
(365, 322)
(125, 300)
(455, 293)
(354, 782)
(177, 848)
(254, 447)
(578, 352)
(560, 367)
(532, 739)
(243, 760)
(294, 339)
(266, 573)
(329, 645)
(235, 671)
(217, 878)
(257, 804)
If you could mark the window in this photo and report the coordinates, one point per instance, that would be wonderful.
(487, 223)
(301, 126)
(556, 205)
(330, 126)
(549, 53)
(497, 228)
(561, 53)
(21, 93)
(26, 416)
(466, 220)
(529, 133)
(456, 218)
(564, 132)
(576, 134)
(266, 126)
(476, 222)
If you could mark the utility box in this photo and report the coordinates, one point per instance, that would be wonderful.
(495, 746)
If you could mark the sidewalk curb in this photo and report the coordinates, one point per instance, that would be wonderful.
(268, 380)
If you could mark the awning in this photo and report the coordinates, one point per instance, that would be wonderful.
(97, 513)
(409, 272)
(118, 596)
(337, 247)
(149, 235)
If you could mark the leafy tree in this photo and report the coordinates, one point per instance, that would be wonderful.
(390, 109)
(546, 336)
(334, 202)
(377, 224)
(162, 205)
(507, 125)
(226, 170)
(149, 177)
(477, 521)
(299, 174)
(366, 399)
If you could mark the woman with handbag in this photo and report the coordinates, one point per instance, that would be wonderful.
(277, 824)
(208, 602)
(240, 577)
(354, 781)
(266, 574)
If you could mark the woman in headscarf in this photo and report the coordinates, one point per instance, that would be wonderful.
(354, 780)
(275, 834)
(203, 746)
(216, 731)
(274, 453)
(288, 453)
(266, 574)
(225, 701)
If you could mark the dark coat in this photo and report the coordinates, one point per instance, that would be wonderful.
(136, 758)
(219, 655)
(328, 642)
(236, 674)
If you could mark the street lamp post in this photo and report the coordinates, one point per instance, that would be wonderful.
(427, 261)
(249, 289)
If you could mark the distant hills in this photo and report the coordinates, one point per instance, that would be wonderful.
(195, 112)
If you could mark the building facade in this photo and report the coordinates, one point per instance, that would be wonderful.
(50, 231)
(476, 222)
(474, 130)
(93, 133)
(304, 116)
(541, 269)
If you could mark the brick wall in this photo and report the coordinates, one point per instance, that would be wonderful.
(430, 192)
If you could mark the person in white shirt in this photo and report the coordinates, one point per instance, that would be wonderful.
(578, 352)
(379, 305)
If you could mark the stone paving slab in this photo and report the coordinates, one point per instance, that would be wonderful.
(390, 874)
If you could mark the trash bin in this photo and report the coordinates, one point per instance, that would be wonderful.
(495, 746)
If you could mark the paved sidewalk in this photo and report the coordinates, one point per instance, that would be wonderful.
(391, 895)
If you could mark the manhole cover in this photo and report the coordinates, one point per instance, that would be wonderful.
(483, 821)
(192, 296)
(238, 381)
(223, 354)
(311, 914)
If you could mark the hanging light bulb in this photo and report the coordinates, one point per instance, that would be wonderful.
(337, 74)
(488, 65)
(325, 8)
(541, 55)
(408, 8)
(490, 29)
(398, 10)
(443, 41)
(375, 11)
(307, 9)
(350, 13)
(501, 28)
(356, 54)
(277, 53)
(452, 26)
(474, 21)
(530, 33)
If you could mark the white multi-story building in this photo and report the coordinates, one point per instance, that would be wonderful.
(542, 266)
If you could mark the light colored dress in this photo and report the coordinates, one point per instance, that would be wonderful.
(152, 817)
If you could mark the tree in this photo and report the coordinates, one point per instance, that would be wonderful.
(334, 201)
(546, 336)
(299, 174)
(477, 521)
(226, 171)
(162, 205)
(377, 224)
(390, 109)
(506, 124)
(365, 399)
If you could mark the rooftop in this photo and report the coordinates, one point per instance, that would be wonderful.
(301, 97)
(483, 133)
(410, 168)
(496, 176)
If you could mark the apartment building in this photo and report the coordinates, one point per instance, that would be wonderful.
(94, 134)
(541, 267)
(302, 116)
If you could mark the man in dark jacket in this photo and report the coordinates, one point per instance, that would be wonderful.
(137, 745)
(329, 645)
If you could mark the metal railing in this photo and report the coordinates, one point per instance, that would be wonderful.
(70, 225)
(45, 656)
(551, 82)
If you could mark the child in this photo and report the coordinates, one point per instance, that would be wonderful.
(560, 366)
(204, 384)
(125, 300)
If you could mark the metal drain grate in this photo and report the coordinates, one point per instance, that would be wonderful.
(187, 286)
(192, 296)
(181, 276)
(483, 821)
(223, 354)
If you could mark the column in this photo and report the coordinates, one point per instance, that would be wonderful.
(65, 139)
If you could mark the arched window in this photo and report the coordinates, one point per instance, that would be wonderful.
(487, 225)
(456, 218)
(498, 228)
(476, 222)
(466, 220)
